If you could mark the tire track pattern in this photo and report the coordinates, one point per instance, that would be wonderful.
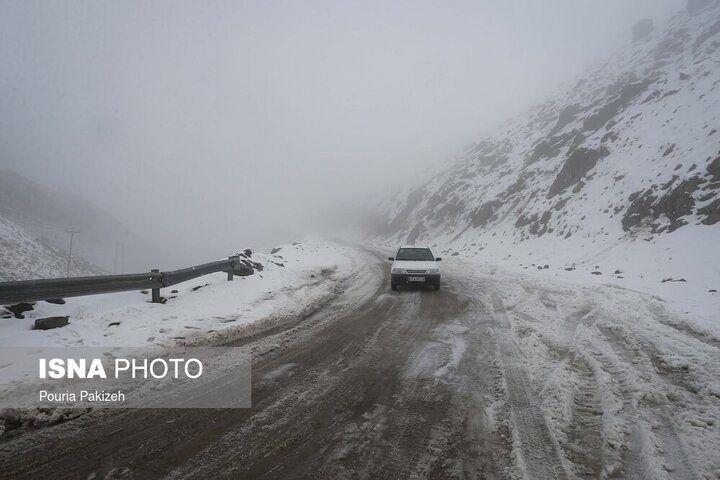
(537, 448)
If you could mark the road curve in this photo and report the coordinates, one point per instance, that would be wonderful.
(408, 384)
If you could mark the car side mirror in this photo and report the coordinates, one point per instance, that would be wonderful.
(392, 259)
(438, 259)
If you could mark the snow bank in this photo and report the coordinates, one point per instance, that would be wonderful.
(208, 309)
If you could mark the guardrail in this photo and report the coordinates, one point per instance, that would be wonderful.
(34, 290)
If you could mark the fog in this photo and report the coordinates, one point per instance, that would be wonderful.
(213, 126)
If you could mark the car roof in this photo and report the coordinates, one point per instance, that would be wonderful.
(414, 246)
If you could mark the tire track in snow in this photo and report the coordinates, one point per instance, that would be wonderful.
(650, 417)
(537, 447)
(584, 446)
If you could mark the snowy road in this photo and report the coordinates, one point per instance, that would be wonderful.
(494, 376)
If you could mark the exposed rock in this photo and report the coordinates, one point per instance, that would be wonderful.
(566, 116)
(612, 108)
(551, 146)
(247, 266)
(677, 203)
(48, 323)
(413, 201)
(642, 29)
(19, 308)
(574, 159)
(711, 212)
(415, 234)
(449, 211)
(539, 227)
(560, 203)
(485, 213)
(646, 207)
(56, 301)
(714, 169)
(518, 186)
(244, 269)
(581, 161)
(523, 220)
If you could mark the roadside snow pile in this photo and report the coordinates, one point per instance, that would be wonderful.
(285, 286)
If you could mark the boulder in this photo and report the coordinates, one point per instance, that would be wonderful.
(243, 270)
(48, 323)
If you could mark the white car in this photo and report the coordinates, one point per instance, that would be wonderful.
(414, 266)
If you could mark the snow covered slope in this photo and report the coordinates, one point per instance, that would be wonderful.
(24, 257)
(616, 176)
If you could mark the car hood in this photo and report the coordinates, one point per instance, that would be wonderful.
(414, 264)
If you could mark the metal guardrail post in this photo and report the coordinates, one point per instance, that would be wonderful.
(155, 291)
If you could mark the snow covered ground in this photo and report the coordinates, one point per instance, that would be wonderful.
(682, 268)
(559, 378)
(295, 280)
(627, 388)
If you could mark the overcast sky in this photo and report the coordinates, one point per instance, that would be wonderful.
(247, 122)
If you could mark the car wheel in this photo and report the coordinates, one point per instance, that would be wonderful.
(437, 287)
(393, 286)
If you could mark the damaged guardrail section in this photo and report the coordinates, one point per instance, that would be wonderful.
(48, 289)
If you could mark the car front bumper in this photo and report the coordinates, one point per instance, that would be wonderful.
(403, 279)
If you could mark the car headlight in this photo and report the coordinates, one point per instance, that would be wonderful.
(433, 270)
(397, 270)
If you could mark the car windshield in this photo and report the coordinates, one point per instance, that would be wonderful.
(414, 254)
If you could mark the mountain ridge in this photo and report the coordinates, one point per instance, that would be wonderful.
(614, 179)
(632, 109)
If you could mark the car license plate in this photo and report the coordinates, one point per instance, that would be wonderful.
(416, 279)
